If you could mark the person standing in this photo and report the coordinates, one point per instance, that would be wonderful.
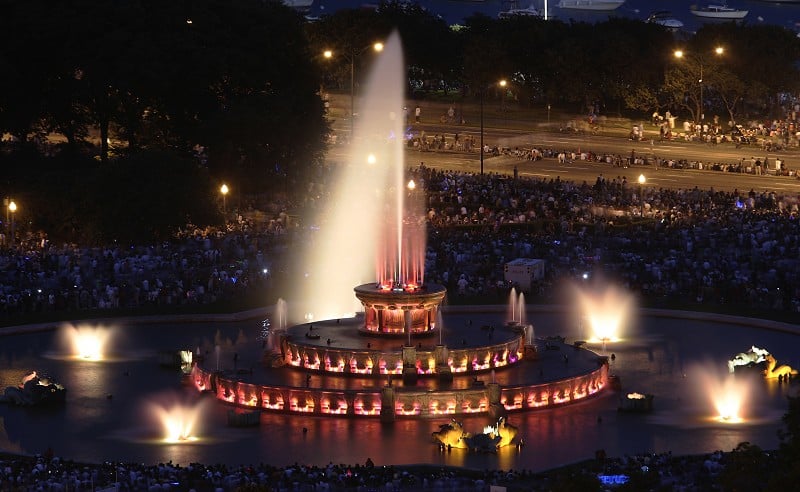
(417, 113)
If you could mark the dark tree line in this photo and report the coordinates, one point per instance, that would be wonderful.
(622, 65)
(223, 91)
(228, 91)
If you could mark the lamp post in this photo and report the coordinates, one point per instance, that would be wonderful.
(719, 50)
(501, 83)
(224, 190)
(12, 207)
(327, 54)
(376, 47)
(5, 224)
(642, 180)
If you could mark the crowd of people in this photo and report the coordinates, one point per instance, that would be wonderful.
(689, 245)
(686, 245)
(50, 473)
(692, 246)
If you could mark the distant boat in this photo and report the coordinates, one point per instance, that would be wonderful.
(528, 11)
(718, 12)
(665, 18)
(600, 5)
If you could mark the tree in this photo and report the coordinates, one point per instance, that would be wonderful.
(146, 197)
(786, 474)
(746, 468)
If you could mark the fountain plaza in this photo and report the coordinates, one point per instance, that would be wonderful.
(115, 404)
(379, 362)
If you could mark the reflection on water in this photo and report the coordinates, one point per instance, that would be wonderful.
(93, 427)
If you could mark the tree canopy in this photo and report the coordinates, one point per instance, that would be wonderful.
(233, 87)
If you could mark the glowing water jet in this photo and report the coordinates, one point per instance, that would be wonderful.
(727, 393)
(87, 342)
(606, 314)
(178, 421)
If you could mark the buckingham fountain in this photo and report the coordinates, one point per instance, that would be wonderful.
(391, 351)
(379, 344)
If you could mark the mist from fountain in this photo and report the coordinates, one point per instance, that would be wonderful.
(727, 395)
(371, 232)
(605, 311)
(85, 342)
(281, 314)
(178, 419)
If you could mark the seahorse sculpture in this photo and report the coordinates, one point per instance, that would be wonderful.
(452, 435)
(506, 431)
(772, 372)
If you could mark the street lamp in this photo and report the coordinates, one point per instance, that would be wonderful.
(12, 207)
(224, 190)
(642, 181)
(377, 48)
(327, 54)
(719, 50)
(501, 83)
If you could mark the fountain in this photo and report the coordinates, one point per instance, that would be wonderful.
(606, 313)
(516, 308)
(177, 419)
(85, 342)
(378, 220)
(728, 394)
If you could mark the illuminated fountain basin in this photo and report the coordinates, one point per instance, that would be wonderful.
(377, 220)
(354, 383)
(90, 428)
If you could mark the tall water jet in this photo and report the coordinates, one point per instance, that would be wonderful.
(521, 309)
(281, 314)
(511, 308)
(368, 203)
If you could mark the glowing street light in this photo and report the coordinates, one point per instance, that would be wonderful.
(377, 48)
(224, 190)
(679, 54)
(501, 83)
(12, 207)
(642, 181)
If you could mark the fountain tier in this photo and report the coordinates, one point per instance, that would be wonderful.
(394, 312)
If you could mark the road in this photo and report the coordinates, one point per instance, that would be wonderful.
(580, 171)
